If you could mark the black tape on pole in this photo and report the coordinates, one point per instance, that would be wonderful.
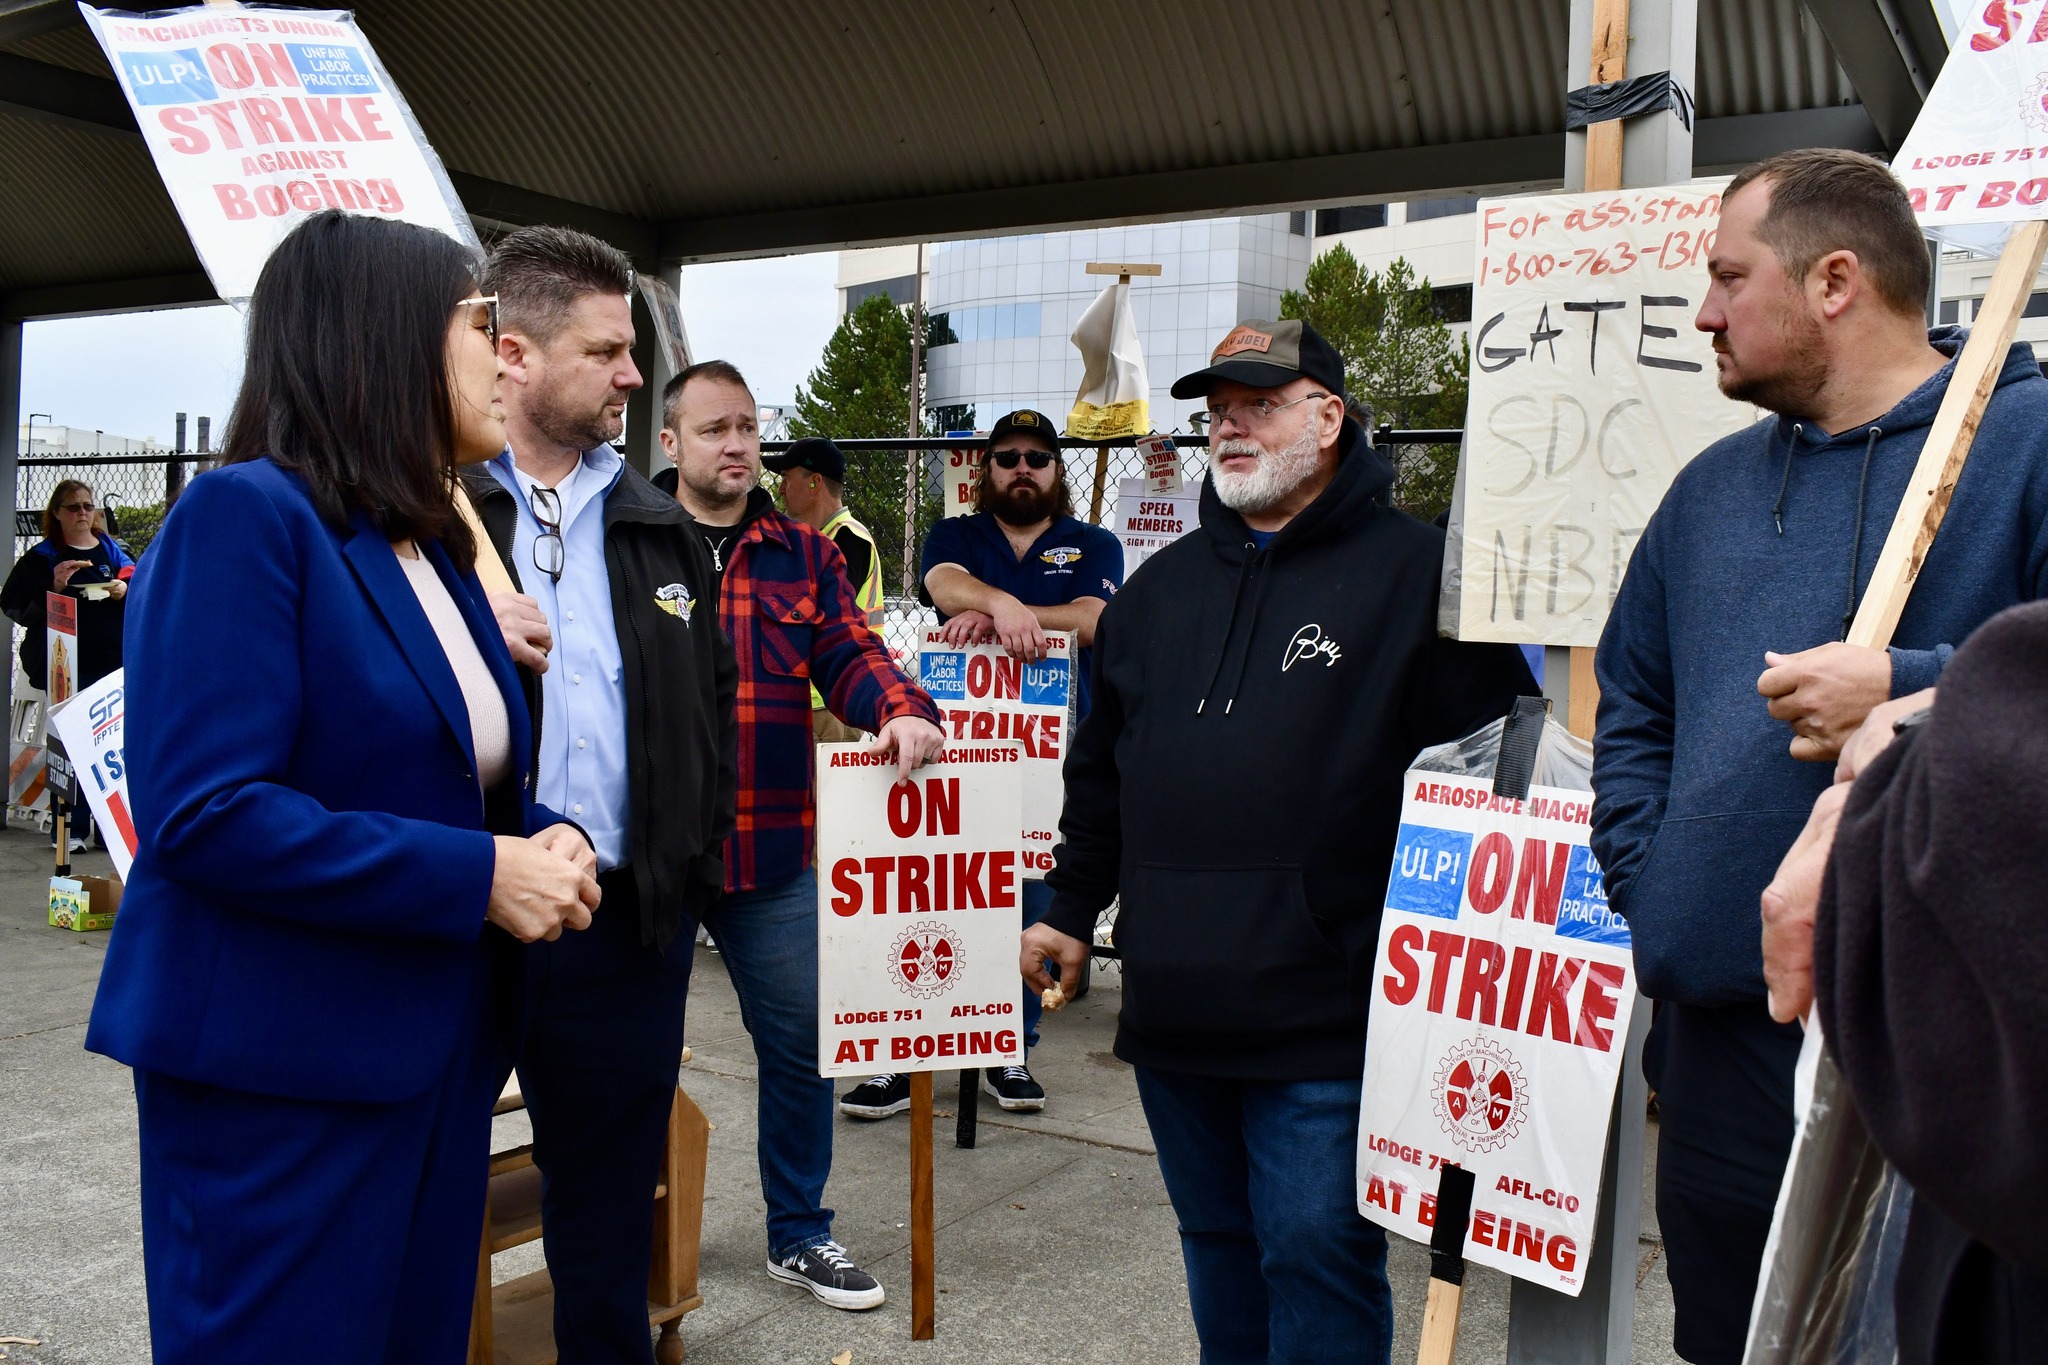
(1447, 1235)
(1638, 95)
(1520, 740)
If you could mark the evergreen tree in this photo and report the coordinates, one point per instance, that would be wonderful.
(1400, 357)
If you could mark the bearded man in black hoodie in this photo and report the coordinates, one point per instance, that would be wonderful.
(1259, 689)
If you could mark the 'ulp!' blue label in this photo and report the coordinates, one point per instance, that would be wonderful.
(1429, 870)
(943, 676)
(1045, 683)
(1583, 912)
(167, 77)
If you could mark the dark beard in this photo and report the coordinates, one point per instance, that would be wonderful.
(1023, 504)
(1793, 390)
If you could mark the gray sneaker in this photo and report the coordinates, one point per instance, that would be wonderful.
(829, 1273)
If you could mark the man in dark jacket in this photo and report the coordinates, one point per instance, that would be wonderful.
(1756, 560)
(1926, 963)
(633, 687)
(1260, 688)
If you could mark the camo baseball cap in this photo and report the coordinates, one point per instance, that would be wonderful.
(1265, 355)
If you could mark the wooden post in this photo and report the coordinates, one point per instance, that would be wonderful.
(923, 1273)
(1603, 172)
(1949, 439)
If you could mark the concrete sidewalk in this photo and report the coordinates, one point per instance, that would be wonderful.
(1055, 1239)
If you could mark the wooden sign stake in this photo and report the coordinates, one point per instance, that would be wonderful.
(1439, 1345)
(1949, 439)
(923, 1273)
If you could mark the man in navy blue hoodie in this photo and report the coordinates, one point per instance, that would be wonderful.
(1722, 666)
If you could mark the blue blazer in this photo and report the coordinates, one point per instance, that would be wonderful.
(305, 911)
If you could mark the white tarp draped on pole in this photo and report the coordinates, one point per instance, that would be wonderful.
(1115, 395)
(1590, 390)
(259, 116)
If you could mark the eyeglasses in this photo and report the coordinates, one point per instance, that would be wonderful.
(78, 507)
(483, 309)
(548, 552)
(1258, 412)
(1007, 459)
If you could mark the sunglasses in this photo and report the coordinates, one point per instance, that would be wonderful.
(78, 507)
(483, 309)
(1007, 459)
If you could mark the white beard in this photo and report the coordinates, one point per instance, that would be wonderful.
(1269, 482)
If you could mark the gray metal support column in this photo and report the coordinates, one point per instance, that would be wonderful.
(10, 438)
(643, 409)
(1598, 1327)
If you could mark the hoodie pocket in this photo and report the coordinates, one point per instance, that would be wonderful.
(1214, 951)
(1694, 911)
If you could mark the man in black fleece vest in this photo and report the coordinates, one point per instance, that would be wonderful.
(1259, 689)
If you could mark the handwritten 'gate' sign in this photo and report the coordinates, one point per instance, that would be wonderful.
(920, 904)
(1590, 389)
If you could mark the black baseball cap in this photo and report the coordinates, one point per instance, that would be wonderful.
(1029, 423)
(814, 453)
(1265, 355)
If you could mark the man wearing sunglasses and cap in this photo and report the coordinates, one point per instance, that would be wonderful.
(1259, 691)
(813, 474)
(1019, 566)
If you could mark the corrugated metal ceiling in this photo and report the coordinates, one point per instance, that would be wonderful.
(679, 113)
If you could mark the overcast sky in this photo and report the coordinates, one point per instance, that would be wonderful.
(131, 374)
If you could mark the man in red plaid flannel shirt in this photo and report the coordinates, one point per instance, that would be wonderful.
(784, 598)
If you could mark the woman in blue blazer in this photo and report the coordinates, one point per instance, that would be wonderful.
(326, 753)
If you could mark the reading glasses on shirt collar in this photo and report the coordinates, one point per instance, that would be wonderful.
(548, 551)
(1007, 459)
(1245, 416)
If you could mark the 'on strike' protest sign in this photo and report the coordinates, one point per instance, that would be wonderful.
(984, 694)
(1978, 150)
(1590, 389)
(258, 116)
(919, 910)
(1500, 1011)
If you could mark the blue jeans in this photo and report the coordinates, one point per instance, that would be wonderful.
(769, 940)
(1037, 900)
(1263, 1177)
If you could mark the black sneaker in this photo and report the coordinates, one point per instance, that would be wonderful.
(1013, 1087)
(877, 1097)
(828, 1272)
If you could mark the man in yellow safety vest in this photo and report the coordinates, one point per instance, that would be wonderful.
(814, 491)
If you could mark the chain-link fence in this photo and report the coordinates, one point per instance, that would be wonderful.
(134, 490)
(879, 470)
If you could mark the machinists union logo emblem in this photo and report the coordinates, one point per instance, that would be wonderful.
(925, 960)
(675, 599)
(1059, 556)
(2034, 104)
(1481, 1098)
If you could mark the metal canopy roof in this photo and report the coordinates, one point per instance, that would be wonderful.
(700, 132)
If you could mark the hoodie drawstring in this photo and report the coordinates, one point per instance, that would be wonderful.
(1785, 479)
(1223, 650)
(1251, 630)
(1856, 542)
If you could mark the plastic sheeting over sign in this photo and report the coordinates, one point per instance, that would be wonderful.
(1502, 993)
(1590, 390)
(1978, 151)
(1115, 395)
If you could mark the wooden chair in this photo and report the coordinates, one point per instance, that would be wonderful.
(513, 1323)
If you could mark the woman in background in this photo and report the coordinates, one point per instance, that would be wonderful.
(327, 753)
